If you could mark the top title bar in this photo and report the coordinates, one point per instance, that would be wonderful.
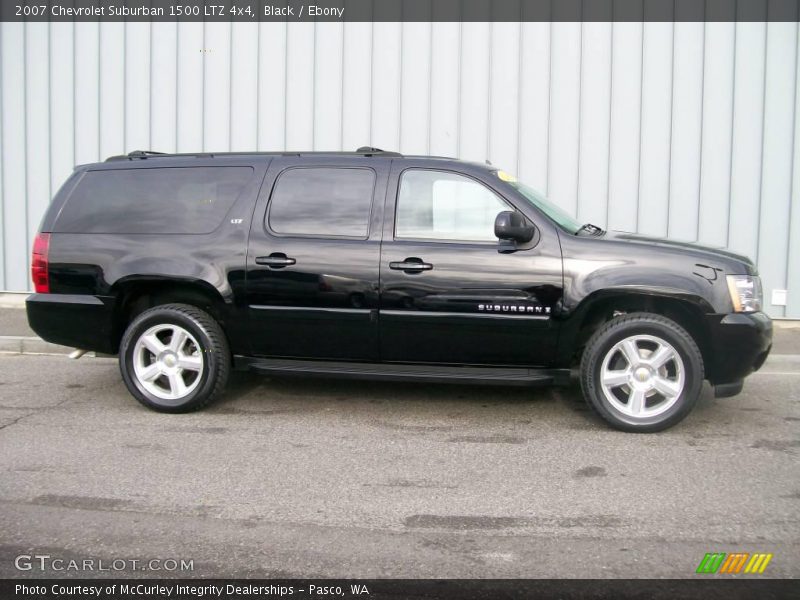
(399, 10)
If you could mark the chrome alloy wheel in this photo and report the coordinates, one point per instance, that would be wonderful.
(168, 362)
(642, 376)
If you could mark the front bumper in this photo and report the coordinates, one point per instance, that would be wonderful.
(76, 320)
(739, 345)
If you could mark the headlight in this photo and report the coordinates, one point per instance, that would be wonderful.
(745, 293)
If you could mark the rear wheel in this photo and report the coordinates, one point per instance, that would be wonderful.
(642, 372)
(174, 358)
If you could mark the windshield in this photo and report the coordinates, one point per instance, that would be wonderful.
(561, 218)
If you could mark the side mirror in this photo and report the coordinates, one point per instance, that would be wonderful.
(511, 226)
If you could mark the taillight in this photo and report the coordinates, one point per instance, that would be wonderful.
(41, 279)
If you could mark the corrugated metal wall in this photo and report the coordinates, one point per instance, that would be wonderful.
(685, 130)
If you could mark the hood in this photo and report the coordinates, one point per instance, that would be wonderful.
(690, 247)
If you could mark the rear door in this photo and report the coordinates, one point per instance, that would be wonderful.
(313, 256)
(450, 293)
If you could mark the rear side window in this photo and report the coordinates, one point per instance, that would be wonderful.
(168, 200)
(322, 201)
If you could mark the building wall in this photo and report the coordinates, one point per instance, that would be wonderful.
(684, 130)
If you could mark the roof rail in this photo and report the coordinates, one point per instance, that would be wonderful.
(144, 154)
(370, 151)
(136, 154)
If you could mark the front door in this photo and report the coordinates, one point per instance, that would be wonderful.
(450, 293)
(312, 261)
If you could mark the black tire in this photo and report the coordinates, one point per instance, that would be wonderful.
(207, 343)
(610, 402)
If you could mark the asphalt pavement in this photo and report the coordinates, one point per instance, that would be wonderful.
(317, 478)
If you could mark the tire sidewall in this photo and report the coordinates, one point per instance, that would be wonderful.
(168, 316)
(674, 335)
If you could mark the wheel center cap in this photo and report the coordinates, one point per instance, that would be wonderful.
(169, 360)
(642, 374)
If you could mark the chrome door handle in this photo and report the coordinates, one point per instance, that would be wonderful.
(411, 265)
(275, 260)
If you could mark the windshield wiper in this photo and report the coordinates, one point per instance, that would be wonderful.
(590, 229)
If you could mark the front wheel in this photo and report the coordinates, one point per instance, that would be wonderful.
(174, 358)
(642, 372)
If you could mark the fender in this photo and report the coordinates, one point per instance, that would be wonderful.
(601, 271)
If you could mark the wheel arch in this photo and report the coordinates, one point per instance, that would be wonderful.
(135, 295)
(599, 308)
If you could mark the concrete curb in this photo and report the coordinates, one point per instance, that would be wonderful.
(776, 360)
(17, 344)
(13, 299)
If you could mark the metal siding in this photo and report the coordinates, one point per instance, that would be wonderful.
(37, 128)
(565, 92)
(748, 128)
(244, 86)
(687, 126)
(684, 129)
(190, 45)
(270, 120)
(715, 166)
(62, 115)
(87, 92)
(625, 134)
(357, 85)
(504, 95)
(534, 104)
(328, 88)
(656, 129)
(387, 55)
(444, 89)
(776, 182)
(164, 121)
(137, 85)
(15, 248)
(112, 88)
(595, 104)
(415, 88)
(3, 256)
(216, 87)
(793, 262)
(474, 93)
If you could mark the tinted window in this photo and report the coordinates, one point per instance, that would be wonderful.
(445, 206)
(170, 200)
(322, 201)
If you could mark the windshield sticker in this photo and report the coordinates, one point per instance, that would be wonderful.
(503, 176)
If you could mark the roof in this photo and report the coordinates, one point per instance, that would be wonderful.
(145, 154)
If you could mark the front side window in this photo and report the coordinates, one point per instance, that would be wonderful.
(438, 205)
(322, 201)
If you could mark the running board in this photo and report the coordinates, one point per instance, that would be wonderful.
(405, 372)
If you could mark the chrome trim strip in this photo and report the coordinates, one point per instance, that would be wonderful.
(404, 313)
(435, 313)
(352, 311)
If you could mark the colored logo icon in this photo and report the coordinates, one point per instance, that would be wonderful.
(736, 562)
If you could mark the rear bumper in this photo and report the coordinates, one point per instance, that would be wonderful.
(740, 343)
(76, 320)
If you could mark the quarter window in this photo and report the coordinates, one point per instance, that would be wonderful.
(329, 202)
(152, 200)
(439, 205)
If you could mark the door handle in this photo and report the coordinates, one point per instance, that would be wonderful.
(411, 265)
(276, 260)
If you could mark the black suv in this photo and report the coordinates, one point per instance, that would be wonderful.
(378, 265)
